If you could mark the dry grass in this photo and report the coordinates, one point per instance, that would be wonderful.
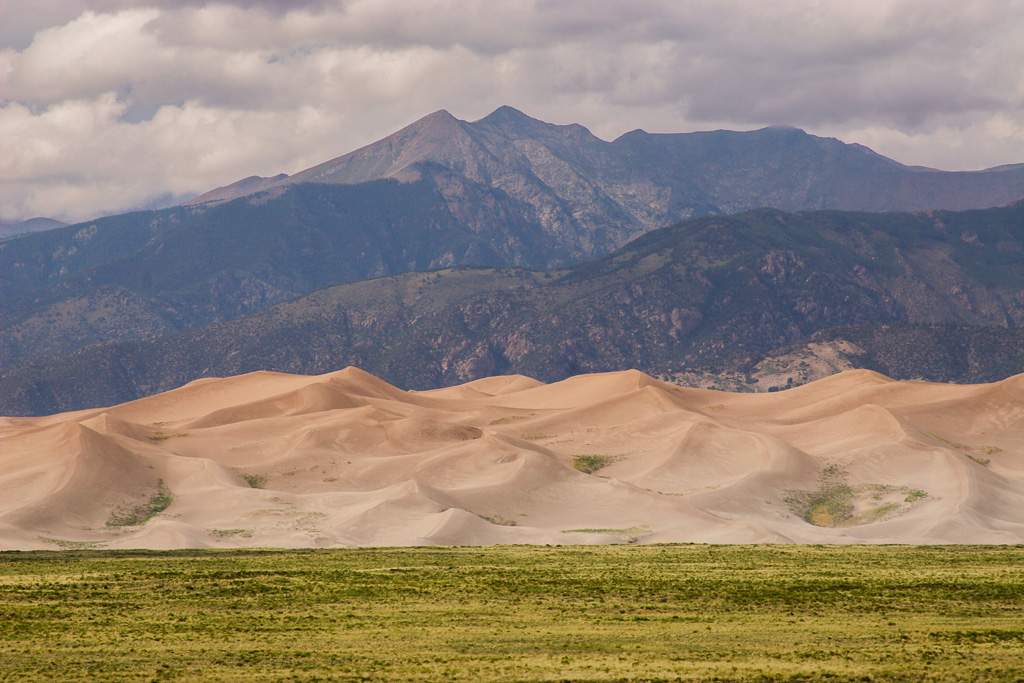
(609, 613)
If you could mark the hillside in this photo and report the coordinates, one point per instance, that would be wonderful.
(754, 300)
(158, 272)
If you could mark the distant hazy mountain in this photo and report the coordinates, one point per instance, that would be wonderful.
(761, 296)
(243, 187)
(592, 196)
(39, 224)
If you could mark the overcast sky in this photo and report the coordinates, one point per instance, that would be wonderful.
(108, 105)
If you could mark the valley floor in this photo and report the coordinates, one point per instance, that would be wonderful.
(528, 613)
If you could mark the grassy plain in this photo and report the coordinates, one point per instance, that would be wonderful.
(610, 613)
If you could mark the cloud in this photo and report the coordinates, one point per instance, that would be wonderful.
(275, 7)
(20, 20)
(84, 58)
(178, 97)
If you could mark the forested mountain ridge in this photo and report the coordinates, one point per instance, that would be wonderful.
(158, 272)
(721, 294)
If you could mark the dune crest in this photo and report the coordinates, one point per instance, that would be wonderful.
(346, 459)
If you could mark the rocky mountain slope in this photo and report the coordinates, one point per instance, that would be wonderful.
(765, 297)
(592, 196)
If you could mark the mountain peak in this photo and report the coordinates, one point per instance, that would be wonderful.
(509, 122)
(439, 115)
(782, 128)
(505, 116)
(440, 120)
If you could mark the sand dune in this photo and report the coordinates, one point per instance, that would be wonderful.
(345, 459)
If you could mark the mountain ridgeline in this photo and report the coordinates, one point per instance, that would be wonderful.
(744, 295)
(593, 196)
(507, 190)
(38, 224)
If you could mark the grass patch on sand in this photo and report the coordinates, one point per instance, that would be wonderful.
(136, 515)
(499, 521)
(837, 504)
(526, 613)
(64, 544)
(590, 463)
(510, 418)
(537, 437)
(160, 436)
(964, 448)
(228, 533)
(255, 481)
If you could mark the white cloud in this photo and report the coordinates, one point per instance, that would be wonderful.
(119, 101)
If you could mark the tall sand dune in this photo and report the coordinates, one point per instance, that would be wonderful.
(346, 459)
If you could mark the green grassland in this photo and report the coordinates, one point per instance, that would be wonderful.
(610, 613)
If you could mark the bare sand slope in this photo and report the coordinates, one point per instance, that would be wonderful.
(342, 459)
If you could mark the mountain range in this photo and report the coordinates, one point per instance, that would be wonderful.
(130, 304)
(593, 196)
(761, 299)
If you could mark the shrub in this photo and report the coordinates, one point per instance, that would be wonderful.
(589, 463)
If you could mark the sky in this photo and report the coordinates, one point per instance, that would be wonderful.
(113, 105)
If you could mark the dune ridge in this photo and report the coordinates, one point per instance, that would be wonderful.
(346, 459)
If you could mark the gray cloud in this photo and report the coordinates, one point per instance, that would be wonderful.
(277, 7)
(177, 97)
(19, 24)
